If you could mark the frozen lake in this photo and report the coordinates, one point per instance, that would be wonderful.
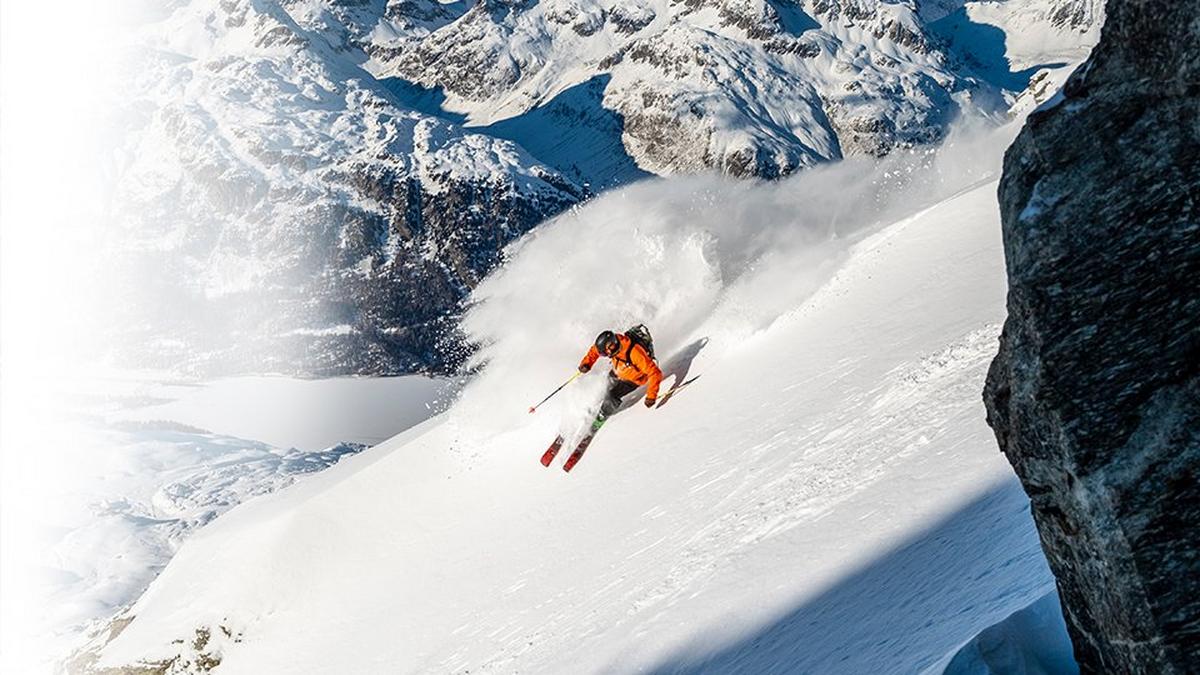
(296, 413)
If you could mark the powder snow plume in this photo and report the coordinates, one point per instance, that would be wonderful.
(702, 258)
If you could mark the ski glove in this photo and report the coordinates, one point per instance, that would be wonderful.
(584, 369)
(649, 403)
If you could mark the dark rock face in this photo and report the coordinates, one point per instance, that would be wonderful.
(1095, 394)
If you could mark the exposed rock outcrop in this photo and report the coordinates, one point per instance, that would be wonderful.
(1095, 394)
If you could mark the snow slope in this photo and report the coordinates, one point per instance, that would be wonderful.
(824, 498)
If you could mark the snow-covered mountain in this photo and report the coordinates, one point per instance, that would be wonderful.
(747, 87)
(280, 210)
(315, 186)
(824, 494)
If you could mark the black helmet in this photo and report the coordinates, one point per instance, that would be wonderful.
(607, 343)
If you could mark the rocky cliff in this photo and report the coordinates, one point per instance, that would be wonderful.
(1095, 394)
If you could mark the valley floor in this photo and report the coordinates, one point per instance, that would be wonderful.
(116, 470)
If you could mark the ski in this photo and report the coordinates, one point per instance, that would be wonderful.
(583, 445)
(548, 456)
(578, 454)
(669, 394)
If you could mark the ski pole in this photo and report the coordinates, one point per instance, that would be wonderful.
(531, 410)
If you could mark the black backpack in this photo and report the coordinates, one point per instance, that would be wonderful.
(640, 335)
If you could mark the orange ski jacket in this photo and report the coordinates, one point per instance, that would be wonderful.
(631, 363)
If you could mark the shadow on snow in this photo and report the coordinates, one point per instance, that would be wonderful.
(904, 611)
(983, 48)
(573, 132)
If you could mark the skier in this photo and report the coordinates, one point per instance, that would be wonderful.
(632, 366)
(632, 354)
